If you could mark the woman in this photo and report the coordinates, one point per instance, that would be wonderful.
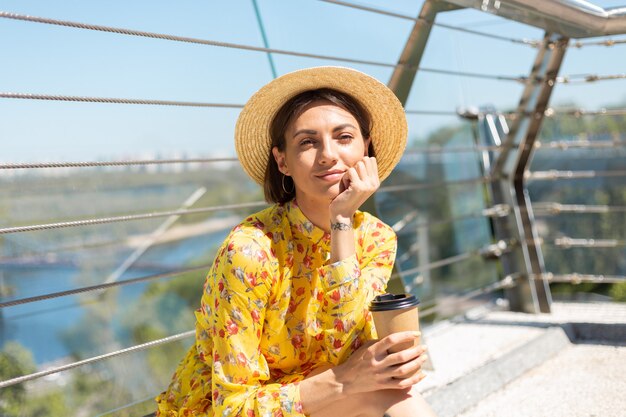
(283, 328)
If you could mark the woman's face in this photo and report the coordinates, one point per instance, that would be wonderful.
(320, 145)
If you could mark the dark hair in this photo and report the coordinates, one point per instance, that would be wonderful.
(293, 108)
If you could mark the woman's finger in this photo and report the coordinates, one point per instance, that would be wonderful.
(409, 368)
(409, 382)
(388, 342)
(404, 356)
(372, 172)
(362, 170)
(370, 163)
(355, 179)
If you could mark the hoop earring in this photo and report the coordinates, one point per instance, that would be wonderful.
(284, 189)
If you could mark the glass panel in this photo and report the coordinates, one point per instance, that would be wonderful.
(441, 221)
(608, 191)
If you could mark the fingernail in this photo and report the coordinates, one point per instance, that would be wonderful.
(417, 334)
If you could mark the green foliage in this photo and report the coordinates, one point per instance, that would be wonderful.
(16, 400)
(618, 291)
(187, 286)
(15, 361)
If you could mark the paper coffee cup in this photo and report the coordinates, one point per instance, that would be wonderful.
(394, 313)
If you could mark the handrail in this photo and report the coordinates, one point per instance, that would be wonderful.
(571, 18)
(533, 43)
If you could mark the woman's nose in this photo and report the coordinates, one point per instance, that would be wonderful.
(328, 153)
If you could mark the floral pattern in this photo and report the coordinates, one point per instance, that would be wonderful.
(273, 310)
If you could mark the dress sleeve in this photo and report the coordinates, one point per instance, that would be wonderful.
(232, 314)
(349, 285)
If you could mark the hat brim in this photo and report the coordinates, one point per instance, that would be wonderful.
(389, 125)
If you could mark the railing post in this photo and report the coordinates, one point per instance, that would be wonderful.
(402, 78)
(532, 292)
(404, 74)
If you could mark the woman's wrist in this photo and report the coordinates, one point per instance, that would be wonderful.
(341, 238)
(340, 219)
(340, 224)
(321, 390)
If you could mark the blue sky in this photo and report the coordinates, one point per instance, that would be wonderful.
(50, 59)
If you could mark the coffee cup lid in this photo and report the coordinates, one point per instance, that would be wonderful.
(387, 302)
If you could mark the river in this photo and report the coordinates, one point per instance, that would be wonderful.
(42, 326)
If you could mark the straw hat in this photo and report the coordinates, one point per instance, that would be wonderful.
(389, 126)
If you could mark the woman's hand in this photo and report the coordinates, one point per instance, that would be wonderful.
(372, 368)
(357, 185)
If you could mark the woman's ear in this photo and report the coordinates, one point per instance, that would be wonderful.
(279, 157)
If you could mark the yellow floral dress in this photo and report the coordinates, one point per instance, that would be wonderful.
(273, 310)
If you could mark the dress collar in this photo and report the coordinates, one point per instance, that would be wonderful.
(303, 225)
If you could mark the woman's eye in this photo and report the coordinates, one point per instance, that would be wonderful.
(306, 141)
(345, 138)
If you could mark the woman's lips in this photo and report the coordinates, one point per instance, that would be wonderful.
(331, 176)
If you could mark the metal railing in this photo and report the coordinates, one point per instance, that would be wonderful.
(490, 252)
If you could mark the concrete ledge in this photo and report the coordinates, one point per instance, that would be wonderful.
(469, 389)
(608, 333)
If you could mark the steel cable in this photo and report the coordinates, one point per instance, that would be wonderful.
(410, 187)
(588, 78)
(82, 164)
(132, 32)
(451, 149)
(550, 112)
(432, 112)
(501, 210)
(99, 287)
(571, 175)
(506, 282)
(551, 208)
(607, 42)
(576, 278)
(105, 220)
(438, 264)
(577, 144)
(434, 149)
(57, 369)
(113, 100)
